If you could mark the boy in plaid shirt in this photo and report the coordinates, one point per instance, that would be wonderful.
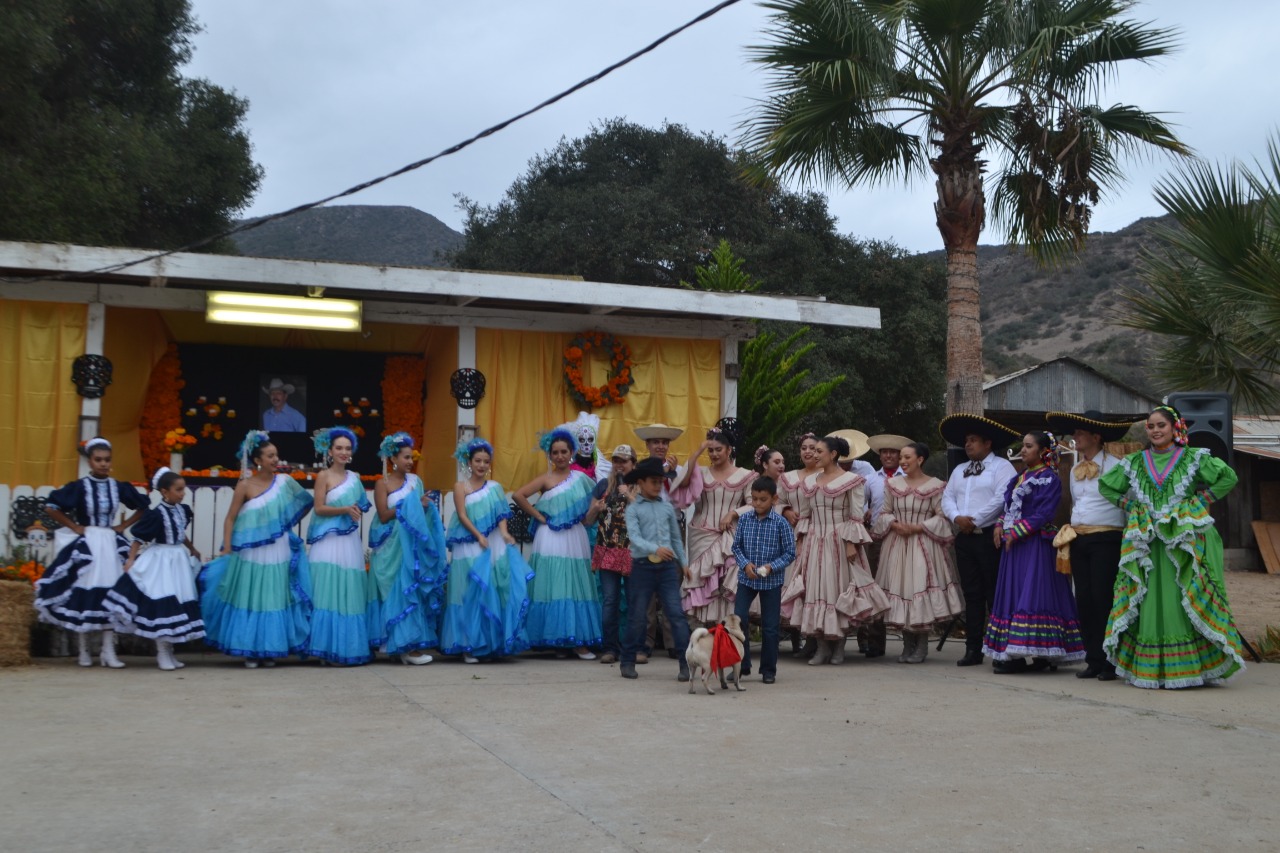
(764, 545)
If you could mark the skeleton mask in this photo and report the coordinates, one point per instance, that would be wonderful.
(586, 442)
(37, 537)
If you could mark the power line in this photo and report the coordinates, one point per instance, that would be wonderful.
(418, 164)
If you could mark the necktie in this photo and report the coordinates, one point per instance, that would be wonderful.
(973, 469)
(1086, 470)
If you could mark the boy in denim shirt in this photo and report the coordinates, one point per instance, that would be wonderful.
(764, 545)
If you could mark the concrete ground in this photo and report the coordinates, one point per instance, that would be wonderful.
(559, 755)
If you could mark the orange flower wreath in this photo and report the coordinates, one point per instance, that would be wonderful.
(617, 382)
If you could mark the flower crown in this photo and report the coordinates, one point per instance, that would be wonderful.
(1049, 456)
(322, 439)
(392, 444)
(467, 449)
(254, 439)
(546, 439)
(760, 454)
(1180, 431)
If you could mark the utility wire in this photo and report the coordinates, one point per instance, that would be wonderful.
(453, 149)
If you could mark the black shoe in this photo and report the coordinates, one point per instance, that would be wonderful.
(745, 673)
(1009, 667)
(1041, 664)
(628, 670)
(766, 679)
(1089, 671)
(684, 673)
(673, 654)
(1107, 675)
(970, 659)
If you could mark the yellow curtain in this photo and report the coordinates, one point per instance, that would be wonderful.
(39, 406)
(677, 382)
(134, 341)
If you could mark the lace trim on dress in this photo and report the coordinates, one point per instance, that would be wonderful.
(1014, 513)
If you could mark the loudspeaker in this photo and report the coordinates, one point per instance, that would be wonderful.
(1208, 417)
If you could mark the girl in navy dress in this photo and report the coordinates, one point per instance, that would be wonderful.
(156, 596)
(90, 552)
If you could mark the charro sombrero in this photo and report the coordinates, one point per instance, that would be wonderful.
(1065, 423)
(953, 429)
(888, 441)
(652, 431)
(857, 442)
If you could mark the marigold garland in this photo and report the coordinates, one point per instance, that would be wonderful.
(618, 381)
(29, 571)
(403, 394)
(162, 411)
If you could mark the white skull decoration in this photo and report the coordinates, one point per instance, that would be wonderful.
(585, 429)
(37, 536)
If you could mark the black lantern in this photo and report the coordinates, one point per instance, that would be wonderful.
(92, 375)
(467, 387)
(27, 518)
(518, 525)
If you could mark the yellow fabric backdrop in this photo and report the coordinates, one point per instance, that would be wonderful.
(677, 382)
(39, 406)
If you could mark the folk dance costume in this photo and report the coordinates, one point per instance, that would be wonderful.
(1034, 613)
(407, 573)
(611, 562)
(73, 592)
(829, 594)
(340, 622)
(916, 570)
(488, 589)
(157, 597)
(1171, 624)
(256, 600)
(564, 610)
(709, 590)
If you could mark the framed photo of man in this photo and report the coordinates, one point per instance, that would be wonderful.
(282, 403)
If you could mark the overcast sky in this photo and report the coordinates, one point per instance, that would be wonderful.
(340, 92)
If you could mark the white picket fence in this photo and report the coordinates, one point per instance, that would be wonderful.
(209, 504)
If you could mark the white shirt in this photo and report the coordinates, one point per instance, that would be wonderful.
(875, 486)
(981, 496)
(1087, 505)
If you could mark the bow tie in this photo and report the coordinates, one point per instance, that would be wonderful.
(1087, 470)
(973, 469)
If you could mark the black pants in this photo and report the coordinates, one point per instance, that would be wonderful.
(873, 637)
(978, 562)
(1095, 561)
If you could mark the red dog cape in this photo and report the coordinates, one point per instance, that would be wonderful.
(724, 654)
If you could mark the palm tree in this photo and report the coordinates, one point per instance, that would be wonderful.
(865, 91)
(1215, 281)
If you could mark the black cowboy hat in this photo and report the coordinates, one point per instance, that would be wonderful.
(651, 467)
(1065, 423)
(954, 428)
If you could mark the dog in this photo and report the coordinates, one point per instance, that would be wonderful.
(698, 655)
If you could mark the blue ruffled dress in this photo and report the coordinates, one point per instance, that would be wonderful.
(256, 600)
(488, 591)
(564, 609)
(407, 573)
(339, 583)
(73, 592)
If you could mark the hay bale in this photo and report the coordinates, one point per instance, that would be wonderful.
(16, 617)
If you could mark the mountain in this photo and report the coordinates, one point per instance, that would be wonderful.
(356, 233)
(1032, 313)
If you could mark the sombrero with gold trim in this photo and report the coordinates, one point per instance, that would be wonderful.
(953, 429)
(888, 441)
(857, 442)
(1065, 423)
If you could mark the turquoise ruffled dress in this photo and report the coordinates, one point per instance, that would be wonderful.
(256, 601)
(407, 572)
(488, 590)
(564, 609)
(339, 586)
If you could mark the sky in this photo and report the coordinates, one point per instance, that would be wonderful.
(341, 92)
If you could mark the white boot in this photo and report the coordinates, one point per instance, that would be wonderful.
(109, 651)
(419, 659)
(837, 651)
(164, 655)
(822, 654)
(86, 659)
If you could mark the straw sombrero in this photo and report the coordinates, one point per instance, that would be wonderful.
(652, 431)
(888, 441)
(857, 442)
(1065, 423)
(953, 429)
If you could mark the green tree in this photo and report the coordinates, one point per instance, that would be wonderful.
(774, 395)
(873, 90)
(1214, 283)
(723, 273)
(102, 141)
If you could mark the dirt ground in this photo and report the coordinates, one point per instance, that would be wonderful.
(1255, 602)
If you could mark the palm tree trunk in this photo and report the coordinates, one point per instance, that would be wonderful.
(961, 211)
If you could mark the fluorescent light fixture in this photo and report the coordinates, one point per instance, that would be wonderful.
(289, 312)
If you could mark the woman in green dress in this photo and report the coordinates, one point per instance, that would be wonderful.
(1170, 623)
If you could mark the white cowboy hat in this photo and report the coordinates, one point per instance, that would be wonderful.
(888, 441)
(278, 384)
(857, 442)
(653, 431)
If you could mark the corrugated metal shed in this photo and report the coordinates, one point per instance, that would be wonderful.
(1062, 385)
(1258, 436)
